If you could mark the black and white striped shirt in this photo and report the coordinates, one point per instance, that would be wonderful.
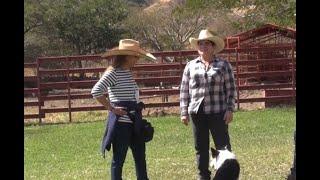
(119, 85)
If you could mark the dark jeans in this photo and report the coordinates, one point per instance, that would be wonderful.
(201, 125)
(123, 139)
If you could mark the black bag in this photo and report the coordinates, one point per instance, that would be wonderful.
(147, 130)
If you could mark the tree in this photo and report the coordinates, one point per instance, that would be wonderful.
(33, 15)
(165, 27)
(66, 27)
(90, 26)
(38, 42)
(253, 12)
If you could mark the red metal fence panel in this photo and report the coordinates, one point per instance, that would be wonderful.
(58, 79)
(31, 80)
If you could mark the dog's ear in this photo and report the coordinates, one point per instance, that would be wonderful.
(214, 152)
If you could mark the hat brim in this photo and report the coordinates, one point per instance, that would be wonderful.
(140, 53)
(219, 43)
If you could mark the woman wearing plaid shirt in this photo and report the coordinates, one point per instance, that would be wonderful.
(207, 95)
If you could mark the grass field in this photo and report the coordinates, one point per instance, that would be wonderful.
(261, 139)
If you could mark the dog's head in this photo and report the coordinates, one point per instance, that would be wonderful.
(219, 156)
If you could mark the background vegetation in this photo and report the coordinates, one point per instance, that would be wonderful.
(68, 27)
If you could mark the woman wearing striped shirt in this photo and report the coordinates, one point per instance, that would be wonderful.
(123, 95)
(207, 95)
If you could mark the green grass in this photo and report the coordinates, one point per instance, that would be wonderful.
(262, 141)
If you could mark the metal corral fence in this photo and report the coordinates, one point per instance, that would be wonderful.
(271, 69)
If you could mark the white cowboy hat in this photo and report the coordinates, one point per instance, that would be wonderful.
(208, 35)
(129, 47)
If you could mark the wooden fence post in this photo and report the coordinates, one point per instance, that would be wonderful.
(238, 79)
(39, 92)
(68, 79)
(293, 73)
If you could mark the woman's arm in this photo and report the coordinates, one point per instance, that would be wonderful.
(116, 110)
(184, 96)
(103, 100)
(230, 87)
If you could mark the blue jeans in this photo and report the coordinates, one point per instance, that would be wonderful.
(201, 125)
(123, 139)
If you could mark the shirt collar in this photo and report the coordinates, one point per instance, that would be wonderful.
(215, 59)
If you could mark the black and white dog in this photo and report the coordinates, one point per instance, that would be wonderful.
(225, 163)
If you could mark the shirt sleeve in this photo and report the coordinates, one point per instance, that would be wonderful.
(108, 79)
(230, 87)
(184, 91)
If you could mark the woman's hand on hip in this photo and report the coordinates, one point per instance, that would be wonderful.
(119, 111)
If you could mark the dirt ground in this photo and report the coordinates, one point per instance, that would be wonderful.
(175, 110)
(148, 112)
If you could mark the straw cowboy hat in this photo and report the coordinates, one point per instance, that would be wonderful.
(129, 47)
(208, 35)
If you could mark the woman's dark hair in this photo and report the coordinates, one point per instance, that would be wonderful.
(117, 61)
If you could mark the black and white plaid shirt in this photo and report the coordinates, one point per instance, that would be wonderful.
(214, 86)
